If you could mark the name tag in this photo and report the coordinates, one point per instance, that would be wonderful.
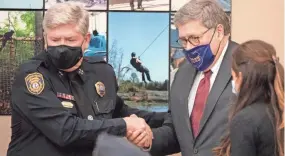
(67, 104)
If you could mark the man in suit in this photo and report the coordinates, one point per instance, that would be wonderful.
(201, 91)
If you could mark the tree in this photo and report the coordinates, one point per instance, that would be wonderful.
(22, 22)
(39, 45)
(134, 78)
(116, 60)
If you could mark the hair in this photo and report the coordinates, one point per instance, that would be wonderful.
(133, 54)
(95, 33)
(262, 76)
(209, 12)
(67, 13)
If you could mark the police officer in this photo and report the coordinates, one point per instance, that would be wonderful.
(61, 101)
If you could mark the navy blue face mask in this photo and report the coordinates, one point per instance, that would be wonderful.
(201, 57)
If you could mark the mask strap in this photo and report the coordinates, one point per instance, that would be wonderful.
(212, 39)
(213, 35)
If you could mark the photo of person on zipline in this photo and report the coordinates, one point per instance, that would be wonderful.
(137, 64)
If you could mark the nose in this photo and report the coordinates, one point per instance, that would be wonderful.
(62, 41)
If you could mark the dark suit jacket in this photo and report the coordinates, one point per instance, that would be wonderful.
(176, 133)
(252, 131)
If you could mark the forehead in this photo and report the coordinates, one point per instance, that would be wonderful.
(67, 30)
(193, 27)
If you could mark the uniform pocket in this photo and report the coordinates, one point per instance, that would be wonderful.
(104, 106)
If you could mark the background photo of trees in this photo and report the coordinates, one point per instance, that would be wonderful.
(20, 39)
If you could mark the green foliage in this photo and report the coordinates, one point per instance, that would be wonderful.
(22, 22)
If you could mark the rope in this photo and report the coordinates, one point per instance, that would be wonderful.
(153, 40)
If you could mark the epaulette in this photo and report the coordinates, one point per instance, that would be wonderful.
(30, 66)
(96, 59)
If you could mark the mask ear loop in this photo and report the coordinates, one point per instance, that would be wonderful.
(45, 41)
(82, 44)
(213, 35)
(212, 39)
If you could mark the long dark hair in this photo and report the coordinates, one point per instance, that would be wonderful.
(263, 76)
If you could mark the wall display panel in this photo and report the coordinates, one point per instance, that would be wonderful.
(177, 57)
(143, 83)
(97, 29)
(139, 5)
(176, 4)
(21, 4)
(88, 4)
(20, 39)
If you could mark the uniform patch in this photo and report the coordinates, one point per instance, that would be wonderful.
(67, 104)
(35, 83)
(100, 88)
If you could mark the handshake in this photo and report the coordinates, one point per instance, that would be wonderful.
(138, 131)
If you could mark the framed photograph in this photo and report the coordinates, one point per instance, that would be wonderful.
(139, 52)
(21, 4)
(139, 5)
(20, 39)
(97, 29)
(177, 4)
(88, 4)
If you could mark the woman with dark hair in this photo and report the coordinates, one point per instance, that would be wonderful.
(256, 124)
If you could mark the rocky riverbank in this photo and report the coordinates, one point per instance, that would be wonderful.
(146, 96)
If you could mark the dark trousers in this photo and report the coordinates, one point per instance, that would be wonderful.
(133, 5)
(144, 72)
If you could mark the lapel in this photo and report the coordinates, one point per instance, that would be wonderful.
(184, 80)
(221, 81)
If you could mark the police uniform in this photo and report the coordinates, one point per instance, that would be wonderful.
(52, 118)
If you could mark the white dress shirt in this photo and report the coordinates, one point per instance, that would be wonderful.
(200, 76)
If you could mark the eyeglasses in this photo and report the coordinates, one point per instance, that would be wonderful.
(194, 40)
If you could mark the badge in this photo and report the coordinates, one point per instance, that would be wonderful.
(100, 88)
(35, 83)
(67, 104)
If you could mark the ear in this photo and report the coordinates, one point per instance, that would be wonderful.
(240, 77)
(87, 41)
(220, 31)
(45, 41)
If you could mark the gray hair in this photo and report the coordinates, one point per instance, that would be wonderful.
(67, 13)
(209, 12)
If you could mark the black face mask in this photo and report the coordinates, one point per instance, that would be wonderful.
(63, 56)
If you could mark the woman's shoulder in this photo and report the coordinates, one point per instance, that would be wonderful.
(254, 114)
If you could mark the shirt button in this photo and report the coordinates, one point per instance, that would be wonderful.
(90, 117)
(195, 151)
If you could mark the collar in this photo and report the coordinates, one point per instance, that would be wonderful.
(217, 65)
(80, 72)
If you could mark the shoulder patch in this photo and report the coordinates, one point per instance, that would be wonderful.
(35, 83)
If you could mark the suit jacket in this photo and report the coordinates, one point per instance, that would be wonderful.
(176, 133)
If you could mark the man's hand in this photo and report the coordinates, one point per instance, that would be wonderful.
(135, 124)
(140, 138)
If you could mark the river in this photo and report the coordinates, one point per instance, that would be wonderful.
(155, 107)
